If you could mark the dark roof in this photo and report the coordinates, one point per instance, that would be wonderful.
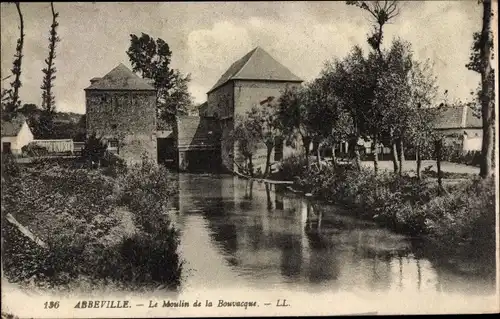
(197, 133)
(120, 78)
(256, 65)
(12, 127)
(462, 116)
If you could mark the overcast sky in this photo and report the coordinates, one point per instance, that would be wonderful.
(206, 37)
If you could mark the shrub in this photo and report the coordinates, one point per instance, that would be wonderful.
(113, 165)
(465, 219)
(34, 150)
(10, 168)
(292, 167)
(74, 212)
(94, 150)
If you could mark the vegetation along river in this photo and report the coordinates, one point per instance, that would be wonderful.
(236, 233)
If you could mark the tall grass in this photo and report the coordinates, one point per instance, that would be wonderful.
(461, 220)
(79, 213)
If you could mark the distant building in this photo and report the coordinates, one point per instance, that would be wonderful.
(121, 109)
(15, 134)
(248, 81)
(461, 127)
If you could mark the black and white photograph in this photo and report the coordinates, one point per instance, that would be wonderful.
(269, 158)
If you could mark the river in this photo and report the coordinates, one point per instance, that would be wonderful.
(244, 235)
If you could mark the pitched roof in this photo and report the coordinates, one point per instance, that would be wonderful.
(256, 65)
(120, 78)
(197, 133)
(13, 127)
(461, 116)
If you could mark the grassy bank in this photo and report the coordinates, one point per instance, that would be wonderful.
(460, 220)
(101, 226)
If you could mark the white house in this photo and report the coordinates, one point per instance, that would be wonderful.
(461, 127)
(15, 134)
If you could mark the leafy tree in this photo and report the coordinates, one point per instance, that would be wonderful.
(46, 120)
(94, 150)
(418, 125)
(10, 97)
(264, 123)
(293, 116)
(479, 61)
(151, 59)
(247, 137)
(353, 92)
(382, 12)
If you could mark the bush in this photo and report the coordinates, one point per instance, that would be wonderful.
(34, 150)
(465, 219)
(113, 165)
(10, 168)
(292, 167)
(94, 150)
(75, 213)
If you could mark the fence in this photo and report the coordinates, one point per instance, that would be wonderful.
(56, 146)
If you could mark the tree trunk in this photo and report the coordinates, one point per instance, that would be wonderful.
(268, 196)
(486, 87)
(250, 166)
(374, 148)
(438, 149)
(306, 141)
(394, 153)
(401, 156)
(318, 154)
(353, 149)
(268, 160)
(334, 156)
(419, 162)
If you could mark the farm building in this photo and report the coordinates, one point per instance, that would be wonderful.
(254, 78)
(121, 109)
(461, 127)
(15, 134)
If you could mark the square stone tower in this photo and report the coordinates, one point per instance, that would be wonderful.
(121, 109)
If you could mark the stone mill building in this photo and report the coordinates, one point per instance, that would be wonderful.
(255, 78)
(121, 109)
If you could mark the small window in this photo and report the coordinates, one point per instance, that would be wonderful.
(112, 145)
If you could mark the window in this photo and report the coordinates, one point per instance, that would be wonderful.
(113, 145)
(6, 149)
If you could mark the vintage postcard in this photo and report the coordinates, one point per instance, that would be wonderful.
(181, 159)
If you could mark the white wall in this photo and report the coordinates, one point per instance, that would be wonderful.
(473, 140)
(23, 138)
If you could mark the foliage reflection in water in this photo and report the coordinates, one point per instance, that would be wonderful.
(238, 233)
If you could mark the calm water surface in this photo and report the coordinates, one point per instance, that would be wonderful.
(237, 234)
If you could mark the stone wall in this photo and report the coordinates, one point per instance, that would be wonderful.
(250, 93)
(126, 116)
(220, 102)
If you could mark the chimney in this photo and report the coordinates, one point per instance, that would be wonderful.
(464, 115)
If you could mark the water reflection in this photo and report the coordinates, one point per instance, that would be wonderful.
(238, 233)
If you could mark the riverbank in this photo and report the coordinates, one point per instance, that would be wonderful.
(460, 218)
(101, 227)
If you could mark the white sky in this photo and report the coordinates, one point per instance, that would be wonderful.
(206, 38)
